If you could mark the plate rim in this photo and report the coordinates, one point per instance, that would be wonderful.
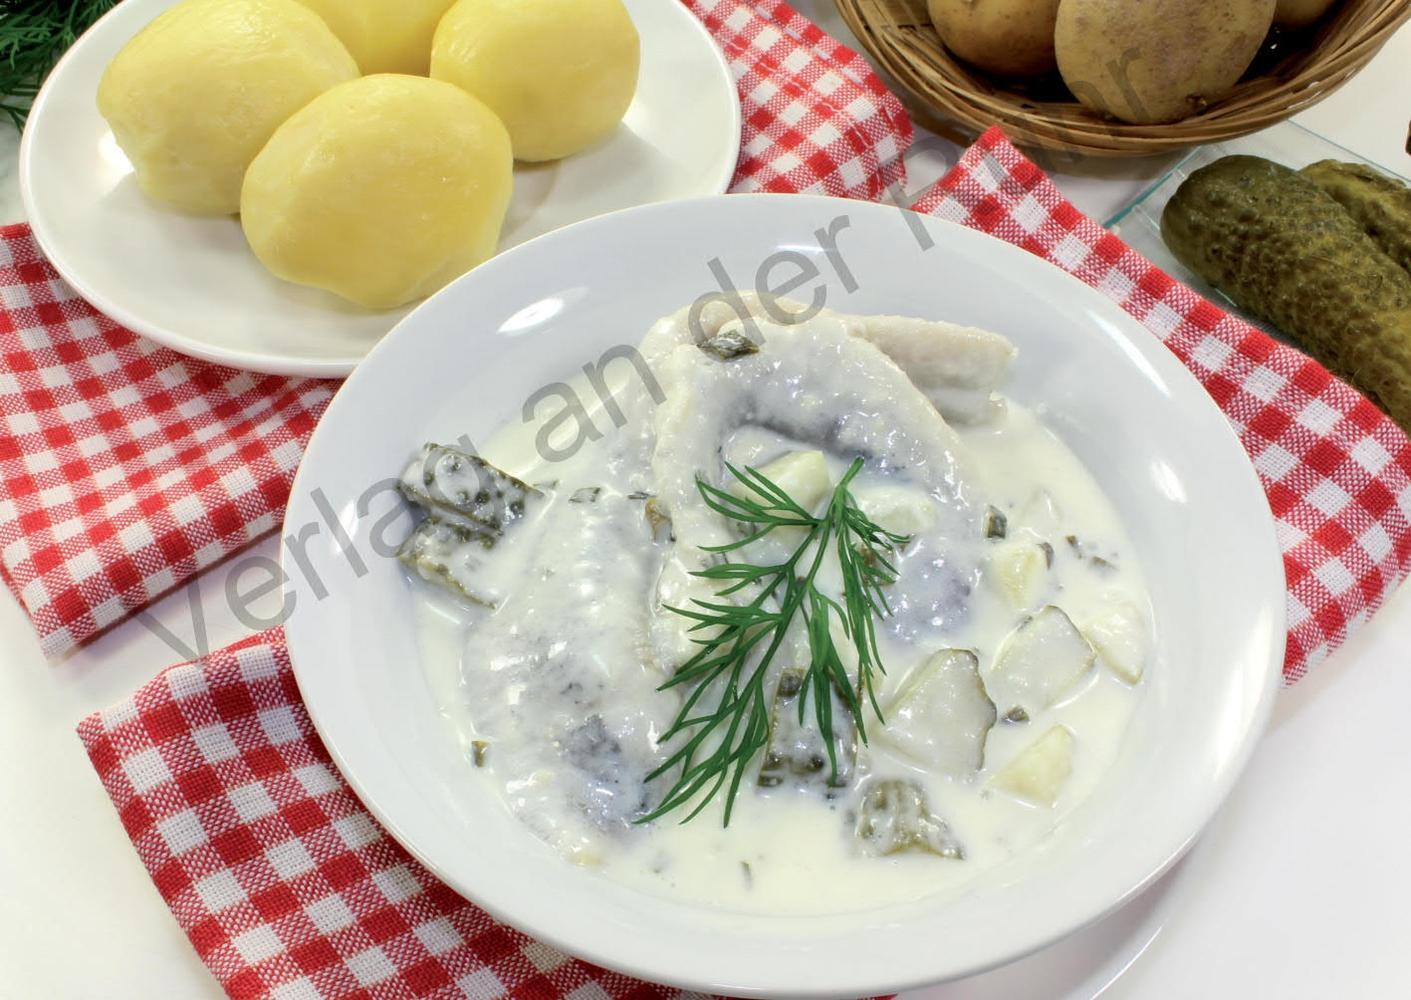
(259, 361)
(1259, 713)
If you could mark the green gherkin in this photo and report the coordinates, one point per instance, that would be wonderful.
(1380, 204)
(1283, 249)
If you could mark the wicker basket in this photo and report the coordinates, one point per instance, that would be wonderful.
(899, 35)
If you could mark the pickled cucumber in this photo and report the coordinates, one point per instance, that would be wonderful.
(1284, 250)
(1380, 204)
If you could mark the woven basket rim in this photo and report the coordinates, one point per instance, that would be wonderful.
(898, 35)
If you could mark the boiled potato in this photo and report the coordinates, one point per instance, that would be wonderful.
(1297, 13)
(803, 475)
(560, 73)
(194, 95)
(1041, 769)
(1158, 61)
(1019, 569)
(384, 36)
(380, 190)
(1011, 37)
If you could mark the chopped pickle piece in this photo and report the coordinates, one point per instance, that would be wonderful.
(1040, 662)
(796, 750)
(1121, 639)
(1038, 773)
(469, 505)
(450, 555)
(658, 520)
(1019, 570)
(462, 487)
(586, 494)
(730, 343)
(803, 475)
(894, 817)
(941, 714)
(996, 524)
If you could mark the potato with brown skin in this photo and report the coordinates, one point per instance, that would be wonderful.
(1160, 60)
(1298, 13)
(1009, 37)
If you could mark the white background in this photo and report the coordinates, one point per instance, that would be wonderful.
(1298, 889)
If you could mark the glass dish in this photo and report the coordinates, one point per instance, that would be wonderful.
(1139, 223)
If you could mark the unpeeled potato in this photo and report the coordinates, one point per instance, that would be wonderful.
(195, 94)
(380, 190)
(1298, 13)
(384, 36)
(1159, 60)
(559, 73)
(1010, 37)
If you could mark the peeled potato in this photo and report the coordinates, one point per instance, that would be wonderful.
(1010, 37)
(560, 73)
(380, 190)
(194, 95)
(384, 36)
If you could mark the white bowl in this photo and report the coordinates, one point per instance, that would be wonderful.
(466, 361)
(191, 282)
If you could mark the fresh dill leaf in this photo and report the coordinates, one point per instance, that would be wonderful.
(33, 35)
(723, 723)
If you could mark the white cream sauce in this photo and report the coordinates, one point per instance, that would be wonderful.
(571, 672)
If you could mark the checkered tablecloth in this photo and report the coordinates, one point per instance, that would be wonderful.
(126, 469)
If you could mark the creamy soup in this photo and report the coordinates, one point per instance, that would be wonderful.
(1004, 647)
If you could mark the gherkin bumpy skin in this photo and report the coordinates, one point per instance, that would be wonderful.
(1380, 204)
(1283, 249)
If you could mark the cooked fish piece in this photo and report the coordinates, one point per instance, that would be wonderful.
(574, 721)
(818, 385)
(959, 368)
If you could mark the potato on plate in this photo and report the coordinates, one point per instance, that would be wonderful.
(194, 96)
(381, 190)
(560, 73)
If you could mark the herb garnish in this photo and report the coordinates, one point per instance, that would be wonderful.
(33, 35)
(725, 736)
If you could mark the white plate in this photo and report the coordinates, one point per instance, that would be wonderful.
(467, 360)
(192, 284)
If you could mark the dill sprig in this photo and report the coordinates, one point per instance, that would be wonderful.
(724, 721)
(33, 35)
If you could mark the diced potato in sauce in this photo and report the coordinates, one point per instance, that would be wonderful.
(1040, 770)
(1122, 640)
(803, 475)
(1019, 570)
(899, 510)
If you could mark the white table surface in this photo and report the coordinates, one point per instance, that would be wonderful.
(1297, 890)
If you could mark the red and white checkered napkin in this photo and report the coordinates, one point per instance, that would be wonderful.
(1336, 470)
(285, 885)
(126, 469)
